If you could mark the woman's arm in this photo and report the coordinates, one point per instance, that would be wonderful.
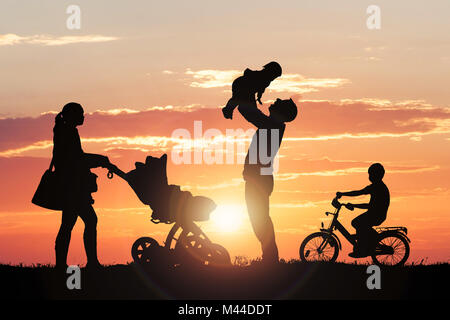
(95, 160)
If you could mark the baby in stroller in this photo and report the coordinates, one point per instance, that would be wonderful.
(171, 205)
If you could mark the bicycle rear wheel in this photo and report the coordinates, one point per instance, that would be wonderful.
(319, 246)
(392, 249)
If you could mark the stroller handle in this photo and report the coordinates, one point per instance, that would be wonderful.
(114, 170)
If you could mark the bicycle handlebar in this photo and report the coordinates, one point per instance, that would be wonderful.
(335, 203)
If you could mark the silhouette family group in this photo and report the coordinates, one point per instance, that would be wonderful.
(74, 182)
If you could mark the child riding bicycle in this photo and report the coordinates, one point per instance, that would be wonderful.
(376, 210)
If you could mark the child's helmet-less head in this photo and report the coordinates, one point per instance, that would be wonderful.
(376, 171)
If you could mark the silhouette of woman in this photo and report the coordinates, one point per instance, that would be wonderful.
(77, 183)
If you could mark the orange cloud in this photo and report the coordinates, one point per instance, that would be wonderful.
(298, 84)
(153, 128)
(356, 170)
(49, 40)
(212, 78)
(294, 83)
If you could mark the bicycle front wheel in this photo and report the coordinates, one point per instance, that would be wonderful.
(319, 246)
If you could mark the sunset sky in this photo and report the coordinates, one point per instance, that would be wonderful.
(141, 71)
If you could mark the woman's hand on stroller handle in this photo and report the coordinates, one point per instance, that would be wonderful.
(113, 169)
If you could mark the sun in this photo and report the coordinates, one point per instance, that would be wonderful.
(228, 217)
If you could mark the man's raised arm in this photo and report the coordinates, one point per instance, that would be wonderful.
(253, 115)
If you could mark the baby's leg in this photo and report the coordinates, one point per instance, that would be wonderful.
(232, 103)
(229, 108)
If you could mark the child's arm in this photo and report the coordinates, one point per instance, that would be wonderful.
(353, 193)
(349, 193)
(237, 94)
(351, 206)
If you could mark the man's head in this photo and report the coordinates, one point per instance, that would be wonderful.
(73, 114)
(376, 172)
(283, 110)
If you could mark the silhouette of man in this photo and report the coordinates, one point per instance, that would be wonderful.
(250, 83)
(376, 210)
(258, 168)
(77, 183)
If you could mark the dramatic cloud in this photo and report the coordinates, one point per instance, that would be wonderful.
(123, 129)
(50, 40)
(355, 170)
(298, 84)
(212, 78)
(293, 83)
(365, 119)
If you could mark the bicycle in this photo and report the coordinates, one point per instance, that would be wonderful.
(391, 249)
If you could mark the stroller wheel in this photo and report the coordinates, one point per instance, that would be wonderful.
(192, 250)
(219, 256)
(145, 250)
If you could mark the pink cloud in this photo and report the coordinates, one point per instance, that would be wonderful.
(316, 120)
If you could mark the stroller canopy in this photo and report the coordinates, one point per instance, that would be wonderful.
(168, 202)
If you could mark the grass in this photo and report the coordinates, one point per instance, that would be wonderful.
(243, 280)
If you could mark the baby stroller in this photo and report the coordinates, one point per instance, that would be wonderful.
(186, 243)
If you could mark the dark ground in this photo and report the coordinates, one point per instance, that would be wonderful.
(294, 280)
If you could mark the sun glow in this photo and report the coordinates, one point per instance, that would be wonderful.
(229, 217)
